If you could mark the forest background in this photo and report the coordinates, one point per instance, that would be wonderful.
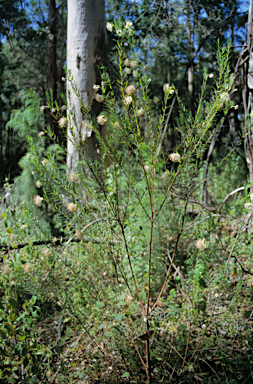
(77, 245)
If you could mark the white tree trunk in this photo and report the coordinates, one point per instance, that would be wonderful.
(86, 42)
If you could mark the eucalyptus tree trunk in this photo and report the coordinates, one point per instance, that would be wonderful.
(52, 58)
(191, 66)
(86, 49)
(249, 108)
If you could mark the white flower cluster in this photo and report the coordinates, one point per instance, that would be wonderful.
(130, 90)
(37, 200)
(224, 97)
(101, 119)
(71, 207)
(200, 244)
(248, 206)
(109, 27)
(98, 97)
(87, 128)
(140, 112)
(117, 125)
(73, 177)
(168, 88)
(62, 122)
(175, 157)
(129, 24)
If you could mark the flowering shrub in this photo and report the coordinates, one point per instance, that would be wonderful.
(135, 267)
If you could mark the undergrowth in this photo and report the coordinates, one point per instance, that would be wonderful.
(138, 281)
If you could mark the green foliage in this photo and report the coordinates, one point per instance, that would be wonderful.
(28, 120)
(140, 264)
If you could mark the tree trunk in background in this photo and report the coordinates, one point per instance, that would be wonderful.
(52, 66)
(249, 108)
(86, 49)
(191, 67)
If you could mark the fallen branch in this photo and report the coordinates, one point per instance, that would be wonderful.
(230, 194)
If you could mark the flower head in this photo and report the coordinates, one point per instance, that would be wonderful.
(236, 106)
(210, 75)
(133, 64)
(140, 112)
(200, 244)
(224, 97)
(128, 100)
(62, 122)
(129, 24)
(248, 206)
(127, 71)
(116, 125)
(96, 87)
(147, 168)
(166, 87)
(38, 184)
(71, 207)
(87, 128)
(109, 27)
(101, 119)
(128, 299)
(135, 73)
(130, 90)
(175, 157)
(44, 161)
(40, 134)
(99, 98)
(119, 32)
(37, 200)
(127, 62)
(73, 177)
(42, 108)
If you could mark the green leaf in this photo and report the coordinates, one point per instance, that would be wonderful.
(100, 304)
(202, 283)
(13, 303)
(2, 334)
(121, 303)
(25, 361)
(126, 374)
(118, 316)
(247, 314)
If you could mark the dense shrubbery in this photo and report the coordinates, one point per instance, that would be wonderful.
(134, 280)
